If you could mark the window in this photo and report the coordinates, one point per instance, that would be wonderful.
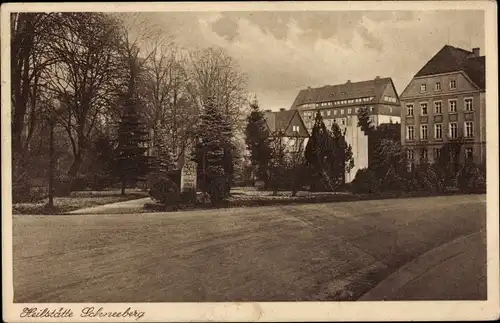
(372, 109)
(438, 131)
(409, 109)
(423, 154)
(423, 88)
(469, 129)
(452, 106)
(356, 110)
(342, 111)
(438, 107)
(423, 108)
(410, 133)
(334, 112)
(453, 84)
(453, 130)
(437, 153)
(328, 112)
(437, 86)
(468, 104)
(295, 128)
(349, 111)
(328, 123)
(469, 154)
(423, 132)
(409, 154)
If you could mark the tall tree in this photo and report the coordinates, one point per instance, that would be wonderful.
(30, 35)
(213, 152)
(318, 150)
(84, 77)
(258, 141)
(277, 162)
(340, 156)
(214, 74)
(131, 162)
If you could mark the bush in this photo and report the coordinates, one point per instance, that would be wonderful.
(471, 179)
(188, 197)
(100, 182)
(21, 185)
(365, 182)
(62, 185)
(163, 190)
(218, 189)
(428, 179)
(80, 183)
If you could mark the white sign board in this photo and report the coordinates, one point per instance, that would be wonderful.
(188, 176)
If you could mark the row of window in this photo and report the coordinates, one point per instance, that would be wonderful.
(437, 86)
(339, 102)
(438, 106)
(390, 99)
(327, 113)
(329, 122)
(424, 156)
(438, 131)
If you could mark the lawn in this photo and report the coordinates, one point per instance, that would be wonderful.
(77, 200)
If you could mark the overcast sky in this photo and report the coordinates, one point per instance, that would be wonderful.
(284, 52)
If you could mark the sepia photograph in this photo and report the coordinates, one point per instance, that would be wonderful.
(209, 161)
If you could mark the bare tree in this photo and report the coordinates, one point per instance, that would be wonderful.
(84, 77)
(30, 34)
(213, 73)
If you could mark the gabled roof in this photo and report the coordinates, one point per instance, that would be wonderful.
(350, 90)
(453, 59)
(277, 120)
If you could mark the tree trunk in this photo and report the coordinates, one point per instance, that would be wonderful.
(75, 167)
(124, 185)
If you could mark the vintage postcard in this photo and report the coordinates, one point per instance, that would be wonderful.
(254, 161)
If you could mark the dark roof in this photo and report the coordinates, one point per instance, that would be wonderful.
(453, 59)
(282, 120)
(349, 90)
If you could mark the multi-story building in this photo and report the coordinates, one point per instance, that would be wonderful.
(445, 101)
(340, 103)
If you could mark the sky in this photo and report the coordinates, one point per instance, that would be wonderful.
(284, 52)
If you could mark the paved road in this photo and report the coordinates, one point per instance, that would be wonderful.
(335, 251)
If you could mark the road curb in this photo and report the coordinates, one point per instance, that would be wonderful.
(390, 287)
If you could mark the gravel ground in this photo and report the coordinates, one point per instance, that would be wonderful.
(334, 251)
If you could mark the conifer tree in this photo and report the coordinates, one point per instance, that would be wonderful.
(214, 152)
(340, 155)
(318, 150)
(258, 141)
(164, 159)
(131, 162)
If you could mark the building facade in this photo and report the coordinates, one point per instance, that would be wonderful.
(289, 125)
(340, 104)
(445, 101)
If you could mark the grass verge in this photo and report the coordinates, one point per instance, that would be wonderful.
(77, 200)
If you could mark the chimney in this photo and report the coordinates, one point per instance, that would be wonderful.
(377, 77)
(268, 111)
(476, 52)
(348, 81)
(282, 109)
